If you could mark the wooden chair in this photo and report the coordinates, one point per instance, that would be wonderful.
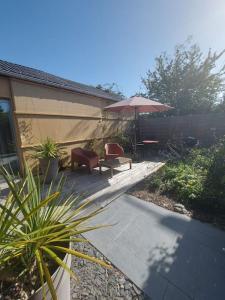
(113, 150)
(84, 157)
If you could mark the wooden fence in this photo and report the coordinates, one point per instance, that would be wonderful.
(203, 127)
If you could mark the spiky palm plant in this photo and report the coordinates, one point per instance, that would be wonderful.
(47, 149)
(36, 227)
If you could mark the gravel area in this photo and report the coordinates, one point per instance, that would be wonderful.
(98, 283)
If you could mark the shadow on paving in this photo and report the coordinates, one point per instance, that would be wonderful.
(168, 255)
(193, 268)
(83, 184)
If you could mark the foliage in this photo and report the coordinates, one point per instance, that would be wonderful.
(185, 181)
(198, 180)
(220, 107)
(36, 227)
(215, 182)
(97, 145)
(110, 88)
(47, 149)
(188, 81)
(124, 140)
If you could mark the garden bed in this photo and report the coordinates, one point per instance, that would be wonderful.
(142, 192)
(96, 282)
(194, 185)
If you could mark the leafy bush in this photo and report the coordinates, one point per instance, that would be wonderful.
(200, 158)
(197, 180)
(185, 181)
(214, 190)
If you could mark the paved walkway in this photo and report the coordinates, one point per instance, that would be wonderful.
(168, 255)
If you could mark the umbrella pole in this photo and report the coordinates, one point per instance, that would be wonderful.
(135, 131)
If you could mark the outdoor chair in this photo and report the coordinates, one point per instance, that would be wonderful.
(113, 150)
(84, 157)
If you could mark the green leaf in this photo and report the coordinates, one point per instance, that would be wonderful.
(82, 255)
(41, 271)
(59, 261)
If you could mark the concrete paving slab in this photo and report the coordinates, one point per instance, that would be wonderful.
(173, 293)
(168, 255)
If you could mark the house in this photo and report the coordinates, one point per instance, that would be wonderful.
(35, 104)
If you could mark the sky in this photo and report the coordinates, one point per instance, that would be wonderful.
(105, 41)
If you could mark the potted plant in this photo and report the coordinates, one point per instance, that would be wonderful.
(48, 153)
(37, 227)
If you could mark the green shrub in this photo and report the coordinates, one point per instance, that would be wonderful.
(185, 181)
(197, 180)
(200, 158)
(156, 181)
(214, 191)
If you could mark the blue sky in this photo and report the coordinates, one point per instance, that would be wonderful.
(105, 41)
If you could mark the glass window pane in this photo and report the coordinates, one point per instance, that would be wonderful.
(8, 153)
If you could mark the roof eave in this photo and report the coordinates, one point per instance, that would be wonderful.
(38, 81)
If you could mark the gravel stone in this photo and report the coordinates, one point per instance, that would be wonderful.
(127, 285)
(180, 208)
(98, 283)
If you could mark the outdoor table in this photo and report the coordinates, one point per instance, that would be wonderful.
(114, 163)
(148, 143)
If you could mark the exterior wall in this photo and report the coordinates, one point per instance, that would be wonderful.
(4, 88)
(71, 119)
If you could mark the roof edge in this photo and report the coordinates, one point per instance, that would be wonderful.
(59, 87)
(47, 79)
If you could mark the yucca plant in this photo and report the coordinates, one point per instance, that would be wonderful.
(37, 226)
(47, 149)
(48, 153)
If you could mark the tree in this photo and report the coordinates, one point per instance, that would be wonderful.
(189, 81)
(220, 107)
(110, 88)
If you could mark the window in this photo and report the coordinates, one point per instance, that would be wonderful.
(8, 155)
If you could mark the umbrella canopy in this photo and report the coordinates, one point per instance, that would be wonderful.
(139, 105)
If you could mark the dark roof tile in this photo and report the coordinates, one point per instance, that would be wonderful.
(34, 75)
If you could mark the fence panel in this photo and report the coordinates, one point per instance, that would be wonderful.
(203, 127)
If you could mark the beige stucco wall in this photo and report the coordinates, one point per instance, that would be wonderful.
(32, 98)
(71, 119)
(4, 88)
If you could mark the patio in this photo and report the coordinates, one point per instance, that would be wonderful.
(101, 188)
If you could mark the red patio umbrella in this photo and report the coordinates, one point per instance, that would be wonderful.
(137, 105)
